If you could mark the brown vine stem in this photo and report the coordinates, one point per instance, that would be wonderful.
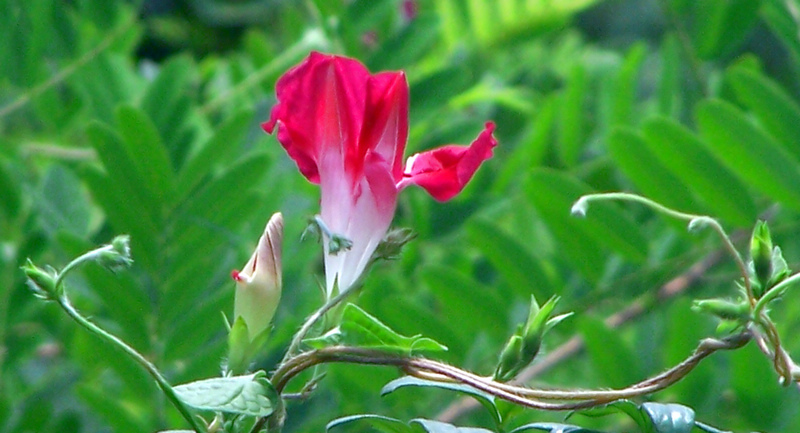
(575, 345)
(565, 399)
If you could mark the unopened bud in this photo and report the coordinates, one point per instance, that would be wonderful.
(510, 362)
(118, 257)
(761, 255)
(722, 308)
(393, 243)
(41, 282)
(258, 284)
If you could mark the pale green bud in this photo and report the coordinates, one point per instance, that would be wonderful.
(41, 282)
(761, 256)
(258, 284)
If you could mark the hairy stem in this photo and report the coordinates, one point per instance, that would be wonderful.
(694, 221)
(165, 387)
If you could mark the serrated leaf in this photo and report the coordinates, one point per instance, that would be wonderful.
(752, 154)
(378, 422)
(511, 259)
(669, 418)
(689, 159)
(486, 400)
(552, 427)
(361, 329)
(431, 426)
(249, 395)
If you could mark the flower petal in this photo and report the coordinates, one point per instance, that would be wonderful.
(444, 171)
(385, 128)
(320, 110)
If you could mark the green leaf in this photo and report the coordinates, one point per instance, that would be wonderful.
(462, 298)
(552, 427)
(249, 395)
(147, 151)
(721, 25)
(10, 191)
(407, 46)
(633, 156)
(625, 85)
(219, 149)
(486, 400)
(62, 204)
(112, 410)
(621, 406)
(749, 152)
(166, 99)
(126, 180)
(381, 423)
(777, 112)
(780, 17)
(688, 158)
(126, 214)
(670, 85)
(609, 352)
(669, 418)
(360, 329)
(531, 149)
(432, 426)
(550, 190)
(521, 270)
(571, 116)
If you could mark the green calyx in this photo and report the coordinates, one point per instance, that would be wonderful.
(524, 345)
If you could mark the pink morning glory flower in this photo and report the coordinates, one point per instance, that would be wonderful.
(346, 130)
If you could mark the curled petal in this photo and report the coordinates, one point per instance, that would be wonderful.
(444, 171)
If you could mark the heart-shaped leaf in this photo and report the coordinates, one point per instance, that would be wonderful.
(247, 395)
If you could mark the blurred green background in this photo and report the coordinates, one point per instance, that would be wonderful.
(143, 118)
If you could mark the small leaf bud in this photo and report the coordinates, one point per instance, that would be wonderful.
(761, 256)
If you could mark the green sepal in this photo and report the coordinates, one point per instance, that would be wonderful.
(42, 282)
(242, 350)
(761, 257)
(511, 358)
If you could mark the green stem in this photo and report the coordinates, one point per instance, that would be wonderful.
(695, 221)
(301, 334)
(773, 293)
(63, 301)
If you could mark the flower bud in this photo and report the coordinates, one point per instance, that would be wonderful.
(524, 345)
(258, 284)
(761, 255)
(511, 361)
(723, 308)
(118, 257)
(41, 282)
